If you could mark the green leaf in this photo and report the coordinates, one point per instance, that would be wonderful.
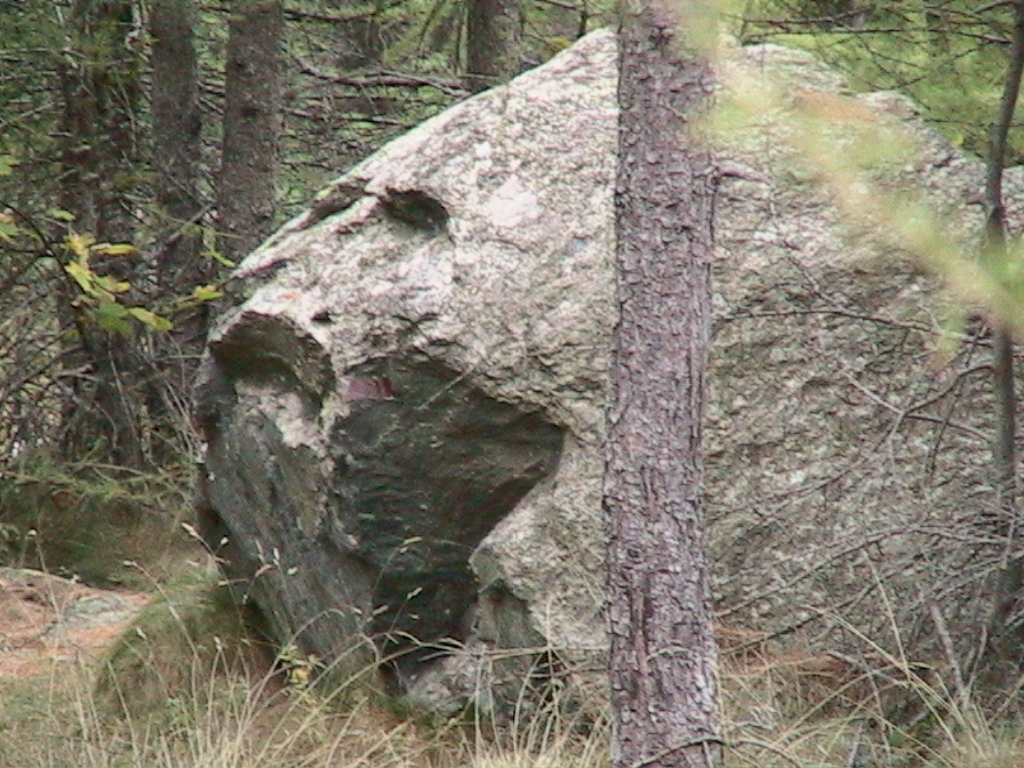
(8, 229)
(7, 164)
(61, 215)
(153, 320)
(114, 249)
(112, 317)
(206, 293)
(220, 258)
(83, 276)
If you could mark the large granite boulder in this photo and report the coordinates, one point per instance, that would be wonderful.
(403, 414)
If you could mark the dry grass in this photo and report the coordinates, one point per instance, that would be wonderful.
(879, 710)
(186, 689)
(231, 720)
(228, 710)
(93, 521)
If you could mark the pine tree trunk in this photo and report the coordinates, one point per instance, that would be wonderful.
(99, 81)
(494, 32)
(1003, 652)
(176, 144)
(246, 199)
(663, 655)
(177, 172)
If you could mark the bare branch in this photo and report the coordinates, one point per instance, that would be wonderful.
(384, 78)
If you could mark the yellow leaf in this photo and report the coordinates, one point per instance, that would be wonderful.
(153, 320)
(79, 244)
(206, 293)
(112, 285)
(114, 249)
(82, 275)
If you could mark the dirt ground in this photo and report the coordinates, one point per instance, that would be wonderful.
(47, 621)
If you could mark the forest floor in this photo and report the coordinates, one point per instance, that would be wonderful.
(56, 634)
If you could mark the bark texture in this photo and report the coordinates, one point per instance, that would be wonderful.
(494, 32)
(99, 81)
(1004, 633)
(662, 646)
(99, 84)
(178, 252)
(176, 140)
(246, 201)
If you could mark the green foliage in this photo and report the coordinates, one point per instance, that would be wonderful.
(949, 56)
(100, 299)
(8, 227)
(300, 669)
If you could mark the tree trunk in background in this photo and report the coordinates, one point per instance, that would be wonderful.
(176, 145)
(662, 658)
(1001, 657)
(99, 82)
(360, 43)
(99, 77)
(246, 199)
(180, 263)
(494, 35)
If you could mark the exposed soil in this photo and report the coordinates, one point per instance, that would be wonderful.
(46, 621)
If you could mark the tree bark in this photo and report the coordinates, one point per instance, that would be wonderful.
(494, 42)
(662, 661)
(176, 143)
(99, 81)
(246, 198)
(1004, 632)
(177, 173)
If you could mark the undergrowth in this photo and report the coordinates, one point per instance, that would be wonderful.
(91, 521)
(190, 687)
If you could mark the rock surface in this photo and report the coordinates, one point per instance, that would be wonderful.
(403, 417)
(47, 620)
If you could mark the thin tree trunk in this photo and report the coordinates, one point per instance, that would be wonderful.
(494, 42)
(1002, 643)
(662, 659)
(177, 171)
(246, 198)
(176, 143)
(99, 76)
(99, 80)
